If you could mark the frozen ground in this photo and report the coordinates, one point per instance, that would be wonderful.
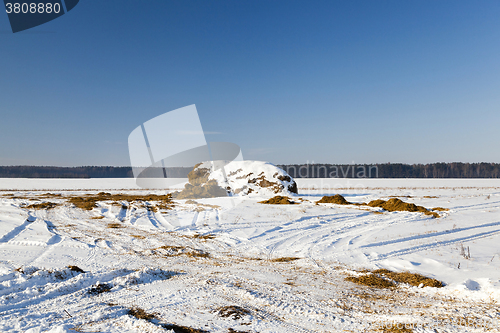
(185, 266)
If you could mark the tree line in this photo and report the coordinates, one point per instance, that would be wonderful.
(394, 170)
(385, 170)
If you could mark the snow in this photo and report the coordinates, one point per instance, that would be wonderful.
(39, 293)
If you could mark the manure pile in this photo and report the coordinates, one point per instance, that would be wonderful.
(391, 205)
(278, 200)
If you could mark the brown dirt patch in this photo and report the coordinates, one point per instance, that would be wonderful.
(278, 200)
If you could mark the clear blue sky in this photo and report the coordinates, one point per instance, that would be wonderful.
(288, 81)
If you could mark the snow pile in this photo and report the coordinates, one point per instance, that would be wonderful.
(216, 179)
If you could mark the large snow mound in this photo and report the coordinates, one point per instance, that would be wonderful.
(214, 179)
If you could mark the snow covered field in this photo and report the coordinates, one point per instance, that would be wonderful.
(236, 265)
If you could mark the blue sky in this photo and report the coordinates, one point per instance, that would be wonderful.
(288, 81)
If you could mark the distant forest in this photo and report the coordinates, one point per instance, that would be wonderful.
(396, 170)
(386, 170)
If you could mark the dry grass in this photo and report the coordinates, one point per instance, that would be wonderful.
(441, 209)
(396, 329)
(76, 269)
(171, 247)
(97, 217)
(278, 200)
(192, 202)
(88, 202)
(233, 311)
(43, 205)
(371, 280)
(141, 314)
(284, 259)
(196, 254)
(205, 237)
(413, 279)
(182, 329)
(231, 330)
(152, 318)
(174, 251)
(99, 289)
(138, 236)
(115, 225)
(383, 278)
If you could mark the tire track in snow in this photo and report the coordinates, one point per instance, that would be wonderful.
(54, 242)
(15, 232)
(434, 234)
(428, 246)
(263, 313)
